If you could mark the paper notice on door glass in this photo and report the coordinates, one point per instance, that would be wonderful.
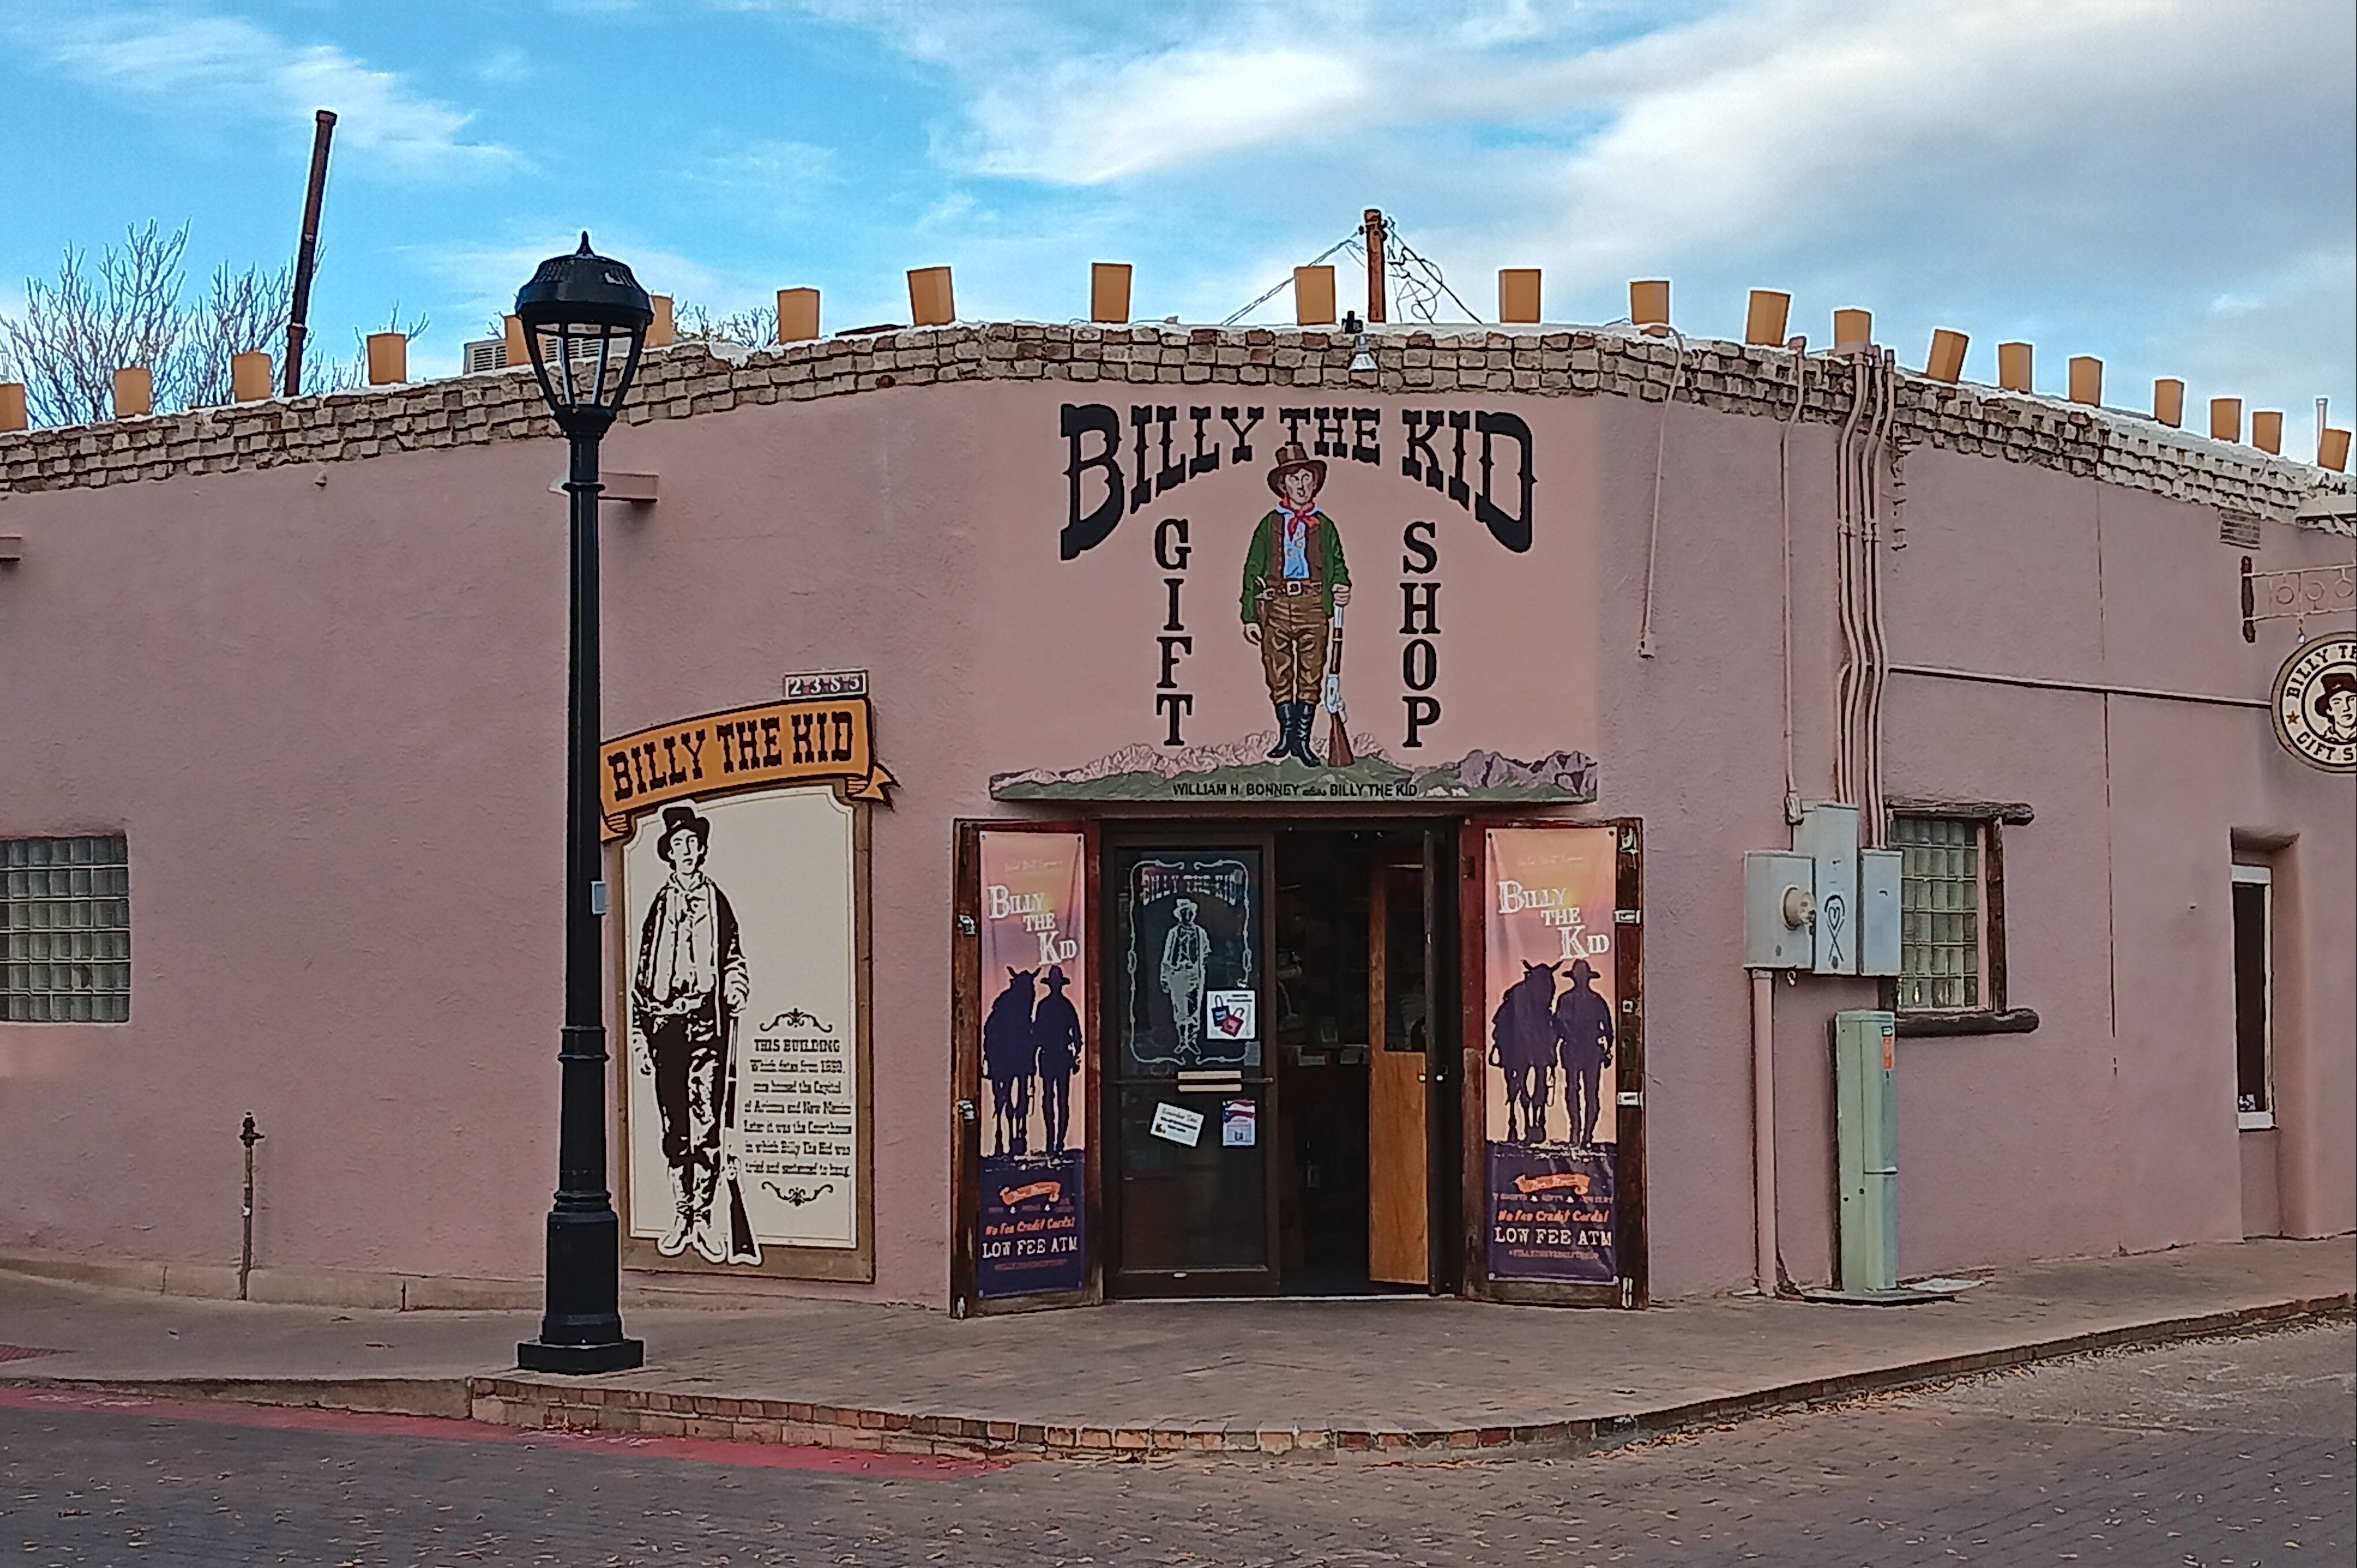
(1239, 1123)
(1177, 1125)
(1229, 1015)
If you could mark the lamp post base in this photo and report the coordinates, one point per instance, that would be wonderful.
(619, 1355)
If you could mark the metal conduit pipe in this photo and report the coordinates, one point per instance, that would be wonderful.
(1764, 1130)
(1845, 591)
(1877, 640)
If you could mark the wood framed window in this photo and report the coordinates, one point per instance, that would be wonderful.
(1952, 957)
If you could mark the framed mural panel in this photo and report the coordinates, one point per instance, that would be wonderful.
(1554, 1057)
(1024, 1117)
(747, 1137)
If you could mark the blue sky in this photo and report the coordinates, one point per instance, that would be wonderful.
(2168, 184)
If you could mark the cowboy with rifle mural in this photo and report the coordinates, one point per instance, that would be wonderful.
(1295, 586)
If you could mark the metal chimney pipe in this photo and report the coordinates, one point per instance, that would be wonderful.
(307, 253)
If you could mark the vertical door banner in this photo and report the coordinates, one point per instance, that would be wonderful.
(1189, 978)
(1549, 988)
(1035, 1057)
(741, 1006)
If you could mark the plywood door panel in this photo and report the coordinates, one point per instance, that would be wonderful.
(1399, 1243)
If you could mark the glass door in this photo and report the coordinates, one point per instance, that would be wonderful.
(1189, 1100)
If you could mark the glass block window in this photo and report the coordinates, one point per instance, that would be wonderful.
(1940, 882)
(65, 930)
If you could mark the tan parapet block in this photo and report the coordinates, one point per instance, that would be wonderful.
(2015, 363)
(388, 358)
(2225, 419)
(1770, 313)
(1648, 302)
(662, 332)
(2331, 448)
(932, 302)
(1521, 295)
(135, 391)
(2169, 401)
(1313, 296)
(249, 377)
(12, 406)
(2087, 380)
(1947, 360)
(518, 351)
(1109, 292)
(1853, 328)
(2267, 431)
(798, 315)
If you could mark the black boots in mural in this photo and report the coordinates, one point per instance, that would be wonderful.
(1294, 721)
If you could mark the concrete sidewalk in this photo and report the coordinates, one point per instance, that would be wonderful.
(1144, 1378)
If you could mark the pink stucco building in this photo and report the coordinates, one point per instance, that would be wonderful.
(282, 689)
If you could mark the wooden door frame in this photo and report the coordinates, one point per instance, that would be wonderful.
(965, 1074)
(1631, 1241)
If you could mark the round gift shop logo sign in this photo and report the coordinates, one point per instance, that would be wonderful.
(2315, 704)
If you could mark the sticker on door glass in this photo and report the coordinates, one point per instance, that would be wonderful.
(1177, 1125)
(1239, 1123)
(1230, 1015)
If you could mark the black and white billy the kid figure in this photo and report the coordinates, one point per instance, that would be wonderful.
(687, 991)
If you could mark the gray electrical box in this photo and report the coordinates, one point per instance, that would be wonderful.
(1878, 911)
(1780, 910)
(1827, 834)
(1866, 1139)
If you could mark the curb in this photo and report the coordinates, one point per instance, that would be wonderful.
(446, 1397)
(591, 1408)
(515, 1401)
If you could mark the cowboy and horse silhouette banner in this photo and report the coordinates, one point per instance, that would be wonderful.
(1035, 1055)
(1551, 1002)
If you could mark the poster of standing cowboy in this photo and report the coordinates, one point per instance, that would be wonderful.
(739, 1046)
(1035, 1054)
(1550, 1005)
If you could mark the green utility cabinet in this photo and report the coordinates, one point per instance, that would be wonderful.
(1866, 1135)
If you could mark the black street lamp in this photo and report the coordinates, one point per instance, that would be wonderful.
(586, 319)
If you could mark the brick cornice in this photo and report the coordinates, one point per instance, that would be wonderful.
(690, 380)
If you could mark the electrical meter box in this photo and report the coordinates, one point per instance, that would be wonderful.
(1780, 910)
(1866, 1138)
(1827, 834)
(1878, 911)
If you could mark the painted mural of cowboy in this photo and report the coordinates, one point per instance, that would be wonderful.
(1295, 582)
(686, 990)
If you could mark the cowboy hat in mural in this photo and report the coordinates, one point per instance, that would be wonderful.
(2315, 703)
(679, 819)
(686, 991)
(1295, 583)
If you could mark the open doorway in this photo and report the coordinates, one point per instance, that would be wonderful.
(1320, 1158)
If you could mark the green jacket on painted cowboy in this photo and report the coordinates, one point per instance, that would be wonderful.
(1318, 545)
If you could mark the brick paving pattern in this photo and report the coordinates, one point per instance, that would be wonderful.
(2209, 1453)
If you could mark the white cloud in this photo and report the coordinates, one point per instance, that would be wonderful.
(1087, 121)
(225, 69)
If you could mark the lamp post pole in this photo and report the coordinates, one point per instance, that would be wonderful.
(581, 1331)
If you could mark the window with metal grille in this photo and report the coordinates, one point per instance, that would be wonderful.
(1942, 964)
(65, 930)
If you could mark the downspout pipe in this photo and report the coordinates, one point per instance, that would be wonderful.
(1763, 1129)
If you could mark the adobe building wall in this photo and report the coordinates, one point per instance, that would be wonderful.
(310, 659)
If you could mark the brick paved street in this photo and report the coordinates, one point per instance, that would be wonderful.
(2224, 1452)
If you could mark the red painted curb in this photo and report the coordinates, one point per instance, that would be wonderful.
(363, 1424)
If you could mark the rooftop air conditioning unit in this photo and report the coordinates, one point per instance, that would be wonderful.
(487, 354)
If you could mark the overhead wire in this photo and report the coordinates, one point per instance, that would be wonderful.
(1418, 282)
